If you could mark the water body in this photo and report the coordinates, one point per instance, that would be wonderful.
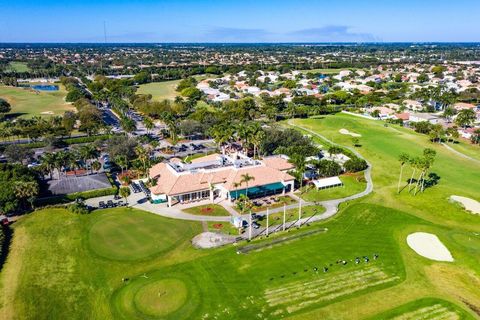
(45, 87)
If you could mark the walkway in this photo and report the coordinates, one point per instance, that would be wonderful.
(139, 201)
(460, 154)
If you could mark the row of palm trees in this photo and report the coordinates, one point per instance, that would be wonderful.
(420, 165)
(88, 153)
(249, 134)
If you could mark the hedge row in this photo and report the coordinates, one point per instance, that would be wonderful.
(73, 196)
(68, 141)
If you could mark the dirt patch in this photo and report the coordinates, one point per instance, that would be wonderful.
(206, 240)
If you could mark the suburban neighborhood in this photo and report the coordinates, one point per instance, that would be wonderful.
(225, 160)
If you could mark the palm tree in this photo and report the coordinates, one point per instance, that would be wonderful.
(221, 134)
(236, 185)
(48, 160)
(26, 190)
(124, 193)
(291, 110)
(465, 117)
(257, 139)
(414, 164)
(60, 161)
(127, 124)
(300, 165)
(122, 161)
(96, 166)
(87, 153)
(149, 125)
(246, 178)
(428, 159)
(143, 156)
(403, 158)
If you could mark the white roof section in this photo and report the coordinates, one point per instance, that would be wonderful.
(327, 182)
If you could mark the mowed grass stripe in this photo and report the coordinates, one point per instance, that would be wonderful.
(435, 312)
(303, 294)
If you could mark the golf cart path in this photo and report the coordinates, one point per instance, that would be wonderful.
(460, 154)
(331, 206)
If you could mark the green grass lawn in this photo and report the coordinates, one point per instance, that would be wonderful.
(428, 308)
(26, 103)
(160, 90)
(352, 184)
(133, 235)
(382, 146)
(291, 215)
(467, 148)
(17, 66)
(222, 227)
(163, 90)
(66, 266)
(208, 210)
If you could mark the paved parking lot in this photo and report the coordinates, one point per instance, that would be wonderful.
(73, 184)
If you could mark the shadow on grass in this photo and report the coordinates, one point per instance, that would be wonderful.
(5, 246)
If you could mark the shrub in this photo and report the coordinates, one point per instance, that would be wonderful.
(78, 208)
(355, 164)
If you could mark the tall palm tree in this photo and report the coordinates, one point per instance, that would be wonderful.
(122, 161)
(143, 156)
(300, 166)
(246, 178)
(236, 185)
(403, 158)
(26, 191)
(48, 160)
(149, 125)
(414, 164)
(256, 140)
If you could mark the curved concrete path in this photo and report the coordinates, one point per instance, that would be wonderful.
(459, 153)
(331, 206)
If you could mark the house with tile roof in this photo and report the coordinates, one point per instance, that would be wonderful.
(220, 176)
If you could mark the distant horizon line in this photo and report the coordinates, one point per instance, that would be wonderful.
(245, 43)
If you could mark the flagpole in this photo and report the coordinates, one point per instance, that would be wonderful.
(267, 222)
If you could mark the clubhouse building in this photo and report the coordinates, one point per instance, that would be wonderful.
(220, 176)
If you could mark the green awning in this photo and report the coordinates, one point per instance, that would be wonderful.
(258, 191)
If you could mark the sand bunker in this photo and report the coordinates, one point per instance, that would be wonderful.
(469, 204)
(345, 131)
(47, 112)
(429, 246)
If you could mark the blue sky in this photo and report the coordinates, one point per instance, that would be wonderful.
(239, 21)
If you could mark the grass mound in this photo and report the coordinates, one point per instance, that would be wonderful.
(132, 235)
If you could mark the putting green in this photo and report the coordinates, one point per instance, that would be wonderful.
(132, 235)
(162, 297)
